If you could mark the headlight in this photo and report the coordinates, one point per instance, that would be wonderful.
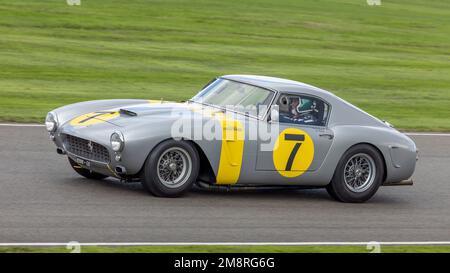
(117, 141)
(51, 123)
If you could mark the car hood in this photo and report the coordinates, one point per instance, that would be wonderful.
(139, 113)
(154, 112)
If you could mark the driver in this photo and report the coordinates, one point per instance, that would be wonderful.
(291, 114)
(298, 112)
(293, 108)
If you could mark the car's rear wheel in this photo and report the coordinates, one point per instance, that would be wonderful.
(358, 175)
(85, 172)
(171, 169)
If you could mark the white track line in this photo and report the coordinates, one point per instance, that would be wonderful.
(427, 134)
(21, 125)
(229, 243)
(42, 125)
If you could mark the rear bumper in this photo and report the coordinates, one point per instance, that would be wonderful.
(408, 182)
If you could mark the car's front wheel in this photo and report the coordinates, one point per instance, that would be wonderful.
(171, 169)
(358, 175)
(85, 172)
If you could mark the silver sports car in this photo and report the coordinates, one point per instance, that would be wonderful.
(238, 131)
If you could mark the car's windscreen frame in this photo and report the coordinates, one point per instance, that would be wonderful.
(273, 92)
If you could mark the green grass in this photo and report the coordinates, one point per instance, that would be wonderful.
(391, 60)
(233, 249)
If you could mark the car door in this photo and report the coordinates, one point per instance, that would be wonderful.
(300, 138)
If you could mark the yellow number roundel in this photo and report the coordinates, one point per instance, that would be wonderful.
(293, 152)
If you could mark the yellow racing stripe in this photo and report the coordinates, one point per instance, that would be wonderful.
(94, 118)
(232, 147)
(232, 150)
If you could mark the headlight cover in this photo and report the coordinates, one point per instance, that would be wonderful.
(51, 123)
(117, 141)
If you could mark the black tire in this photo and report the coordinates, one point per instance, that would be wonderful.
(152, 175)
(85, 172)
(342, 191)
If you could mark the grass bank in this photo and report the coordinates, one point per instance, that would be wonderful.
(391, 60)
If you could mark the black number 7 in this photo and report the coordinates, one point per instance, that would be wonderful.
(293, 137)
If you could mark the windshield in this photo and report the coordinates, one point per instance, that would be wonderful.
(236, 96)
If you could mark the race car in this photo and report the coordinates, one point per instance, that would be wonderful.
(238, 131)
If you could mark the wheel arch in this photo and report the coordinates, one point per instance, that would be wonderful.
(383, 159)
(206, 172)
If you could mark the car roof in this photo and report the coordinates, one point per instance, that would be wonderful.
(278, 84)
(290, 86)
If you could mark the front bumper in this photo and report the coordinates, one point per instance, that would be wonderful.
(79, 152)
(95, 166)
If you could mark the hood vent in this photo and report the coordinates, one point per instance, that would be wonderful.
(127, 112)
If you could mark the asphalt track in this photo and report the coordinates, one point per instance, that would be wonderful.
(43, 200)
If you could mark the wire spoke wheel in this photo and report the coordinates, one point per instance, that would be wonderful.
(174, 167)
(359, 172)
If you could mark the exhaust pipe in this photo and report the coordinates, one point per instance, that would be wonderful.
(121, 170)
(408, 182)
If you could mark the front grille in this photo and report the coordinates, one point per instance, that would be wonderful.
(85, 148)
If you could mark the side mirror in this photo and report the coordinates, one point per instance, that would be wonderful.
(274, 114)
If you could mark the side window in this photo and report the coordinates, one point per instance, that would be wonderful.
(302, 109)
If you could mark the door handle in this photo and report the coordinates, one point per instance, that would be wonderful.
(328, 135)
